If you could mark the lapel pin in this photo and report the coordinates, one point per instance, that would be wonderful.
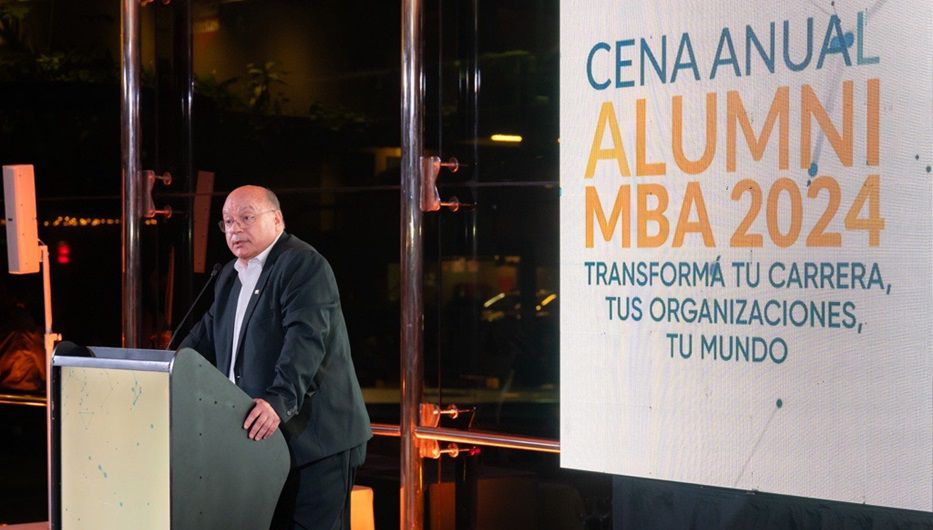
(256, 291)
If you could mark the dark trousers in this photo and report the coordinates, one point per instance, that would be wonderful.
(316, 496)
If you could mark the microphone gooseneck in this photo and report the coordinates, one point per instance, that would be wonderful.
(214, 271)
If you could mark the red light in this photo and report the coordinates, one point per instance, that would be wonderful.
(63, 253)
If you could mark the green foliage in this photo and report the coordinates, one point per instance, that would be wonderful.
(260, 81)
(336, 118)
(220, 92)
(22, 60)
(74, 66)
(12, 31)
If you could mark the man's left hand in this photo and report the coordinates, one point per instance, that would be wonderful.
(262, 421)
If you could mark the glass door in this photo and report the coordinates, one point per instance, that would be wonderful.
(491, 297)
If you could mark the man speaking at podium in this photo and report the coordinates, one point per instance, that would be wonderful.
(276, 329)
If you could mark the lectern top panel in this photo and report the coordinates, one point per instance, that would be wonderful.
(132, 354)
(121, 359)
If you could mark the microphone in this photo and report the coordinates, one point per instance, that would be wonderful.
(214, 271)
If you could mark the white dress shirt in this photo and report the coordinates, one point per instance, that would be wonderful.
(248, 273)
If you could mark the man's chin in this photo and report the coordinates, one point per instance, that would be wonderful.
(241, 252)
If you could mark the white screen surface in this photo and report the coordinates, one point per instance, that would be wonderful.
(750, 305)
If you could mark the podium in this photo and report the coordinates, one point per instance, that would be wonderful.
(154, 439)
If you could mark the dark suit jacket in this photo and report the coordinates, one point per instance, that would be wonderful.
(293, 349)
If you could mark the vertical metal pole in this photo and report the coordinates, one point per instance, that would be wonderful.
(49, 337)
(473, 89)
(184, 82)
(412, 303)
(129, 144)
(49, 341)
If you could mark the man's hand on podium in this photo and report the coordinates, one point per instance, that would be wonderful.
(262, 421)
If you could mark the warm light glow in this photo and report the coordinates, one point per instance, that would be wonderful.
(84, 222)
(510, 138)
(493, 300)
(548, 299)
(208, 25)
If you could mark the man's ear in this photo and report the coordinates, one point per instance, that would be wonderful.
(279, 219)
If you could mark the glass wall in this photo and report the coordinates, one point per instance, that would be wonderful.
(491, 300)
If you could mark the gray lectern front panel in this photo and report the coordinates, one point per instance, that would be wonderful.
(220, 478)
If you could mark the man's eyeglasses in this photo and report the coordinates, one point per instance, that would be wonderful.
(244, 220)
